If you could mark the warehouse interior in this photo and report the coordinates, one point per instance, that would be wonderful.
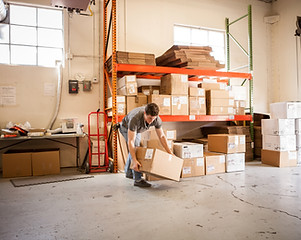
(260, 201)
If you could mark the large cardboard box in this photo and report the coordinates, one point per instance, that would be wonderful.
(214, 163)
(127, 85)
(197, 106)
(235, 162)
(133, 102)
(279, 143)
(213, 86)
(220, 110)
(120, 104)
(282, 110)
(179, 105)
(16, 163)
(45, 162)
(188, 149)
(226, 143)
(196, 92)
(219, 94)
(149, 90)
(193, 167)
(279, 158)
(174, 84)
(159, 163)
(278, 126)
(163, 101)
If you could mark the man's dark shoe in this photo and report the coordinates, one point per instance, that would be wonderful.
(142, 183)
(129, 175)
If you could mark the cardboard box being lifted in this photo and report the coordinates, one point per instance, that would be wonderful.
(226, 143)
(279, 158)
(159, 163)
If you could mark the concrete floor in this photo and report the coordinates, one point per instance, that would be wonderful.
(261, 203)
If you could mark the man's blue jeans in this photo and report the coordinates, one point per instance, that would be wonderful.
(136, 175)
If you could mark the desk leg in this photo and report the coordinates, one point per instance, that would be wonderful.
(77, 151)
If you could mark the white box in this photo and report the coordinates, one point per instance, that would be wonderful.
(188, 150)
(235, 162)
(279, 143)
(298, 126)
(240, 92)
(282, 110)
(278, 126)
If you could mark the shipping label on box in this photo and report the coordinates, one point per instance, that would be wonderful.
(235, 162)
(188, 150)
(282, 110)
(159, 163)
(173, 84)
(226, 143)
(163, 101)
(279, 143)
(278, 126)
(279, 158)
(214, 162)
(179, 105)
(196, 92)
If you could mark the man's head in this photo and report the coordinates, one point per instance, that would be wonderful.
(151, 112)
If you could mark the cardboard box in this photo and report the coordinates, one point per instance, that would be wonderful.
(219, 94)
(226, 143)
(278, 126)
(163, 101)
(213, 86)
(133, 102)
(16, 163)
(282, 110)
(197, 106)
(45, 162)
(214, 163)
(151, 134)
(188, 149)
(196, 92)
(298, 126)
(150, 177)
(279, 158)
(174, 84)
(235, 162)
(155, 143)
(220, 110)
(193, 167)
(279, 143)
(179, 105)
(149, 90)
(127, 85)
(120, 104)
(159, 163)
(220, 102)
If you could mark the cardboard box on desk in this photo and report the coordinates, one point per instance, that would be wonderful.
(193, 167)
(174, 84)
(179, 105)
(279, 158)
(278, 126)
(159, 163)
(163, 101)
(226, 143)
(214, 163)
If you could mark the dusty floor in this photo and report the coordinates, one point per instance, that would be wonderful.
(261, 203)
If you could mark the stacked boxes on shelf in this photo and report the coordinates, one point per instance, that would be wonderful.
(197, 101)
(279, 135)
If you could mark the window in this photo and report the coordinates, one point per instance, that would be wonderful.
(197, 36)
(32, 36)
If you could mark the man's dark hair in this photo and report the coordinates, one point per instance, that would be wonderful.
(152, 109)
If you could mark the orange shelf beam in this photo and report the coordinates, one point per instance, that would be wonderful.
(198, 118)
(163, 70)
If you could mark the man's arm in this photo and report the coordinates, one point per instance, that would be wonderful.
(163, 139)
(131, 142)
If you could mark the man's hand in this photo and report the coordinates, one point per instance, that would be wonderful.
(135, 165)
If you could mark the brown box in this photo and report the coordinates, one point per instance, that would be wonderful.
(214, 163)
(179, 105)
(220, 110)
(127, 85)
(174, 84)
(219, 94)
(155, 143)
(196, 92)
(46, 162)
(220, 102)
(16, 163)
(193, 167)
(133, 102)
(163, 101)
(149, 90)
(159, 163)
(279, 158)
(226, 143)
(197, 106)
(120, 104)
(213, 86)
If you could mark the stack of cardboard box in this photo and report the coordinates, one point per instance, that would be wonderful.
(232, 146)
(197, 101)
(279, 135)
(176, 85)
(192, 154)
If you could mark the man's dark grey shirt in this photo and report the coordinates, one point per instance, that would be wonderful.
(135, 122)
